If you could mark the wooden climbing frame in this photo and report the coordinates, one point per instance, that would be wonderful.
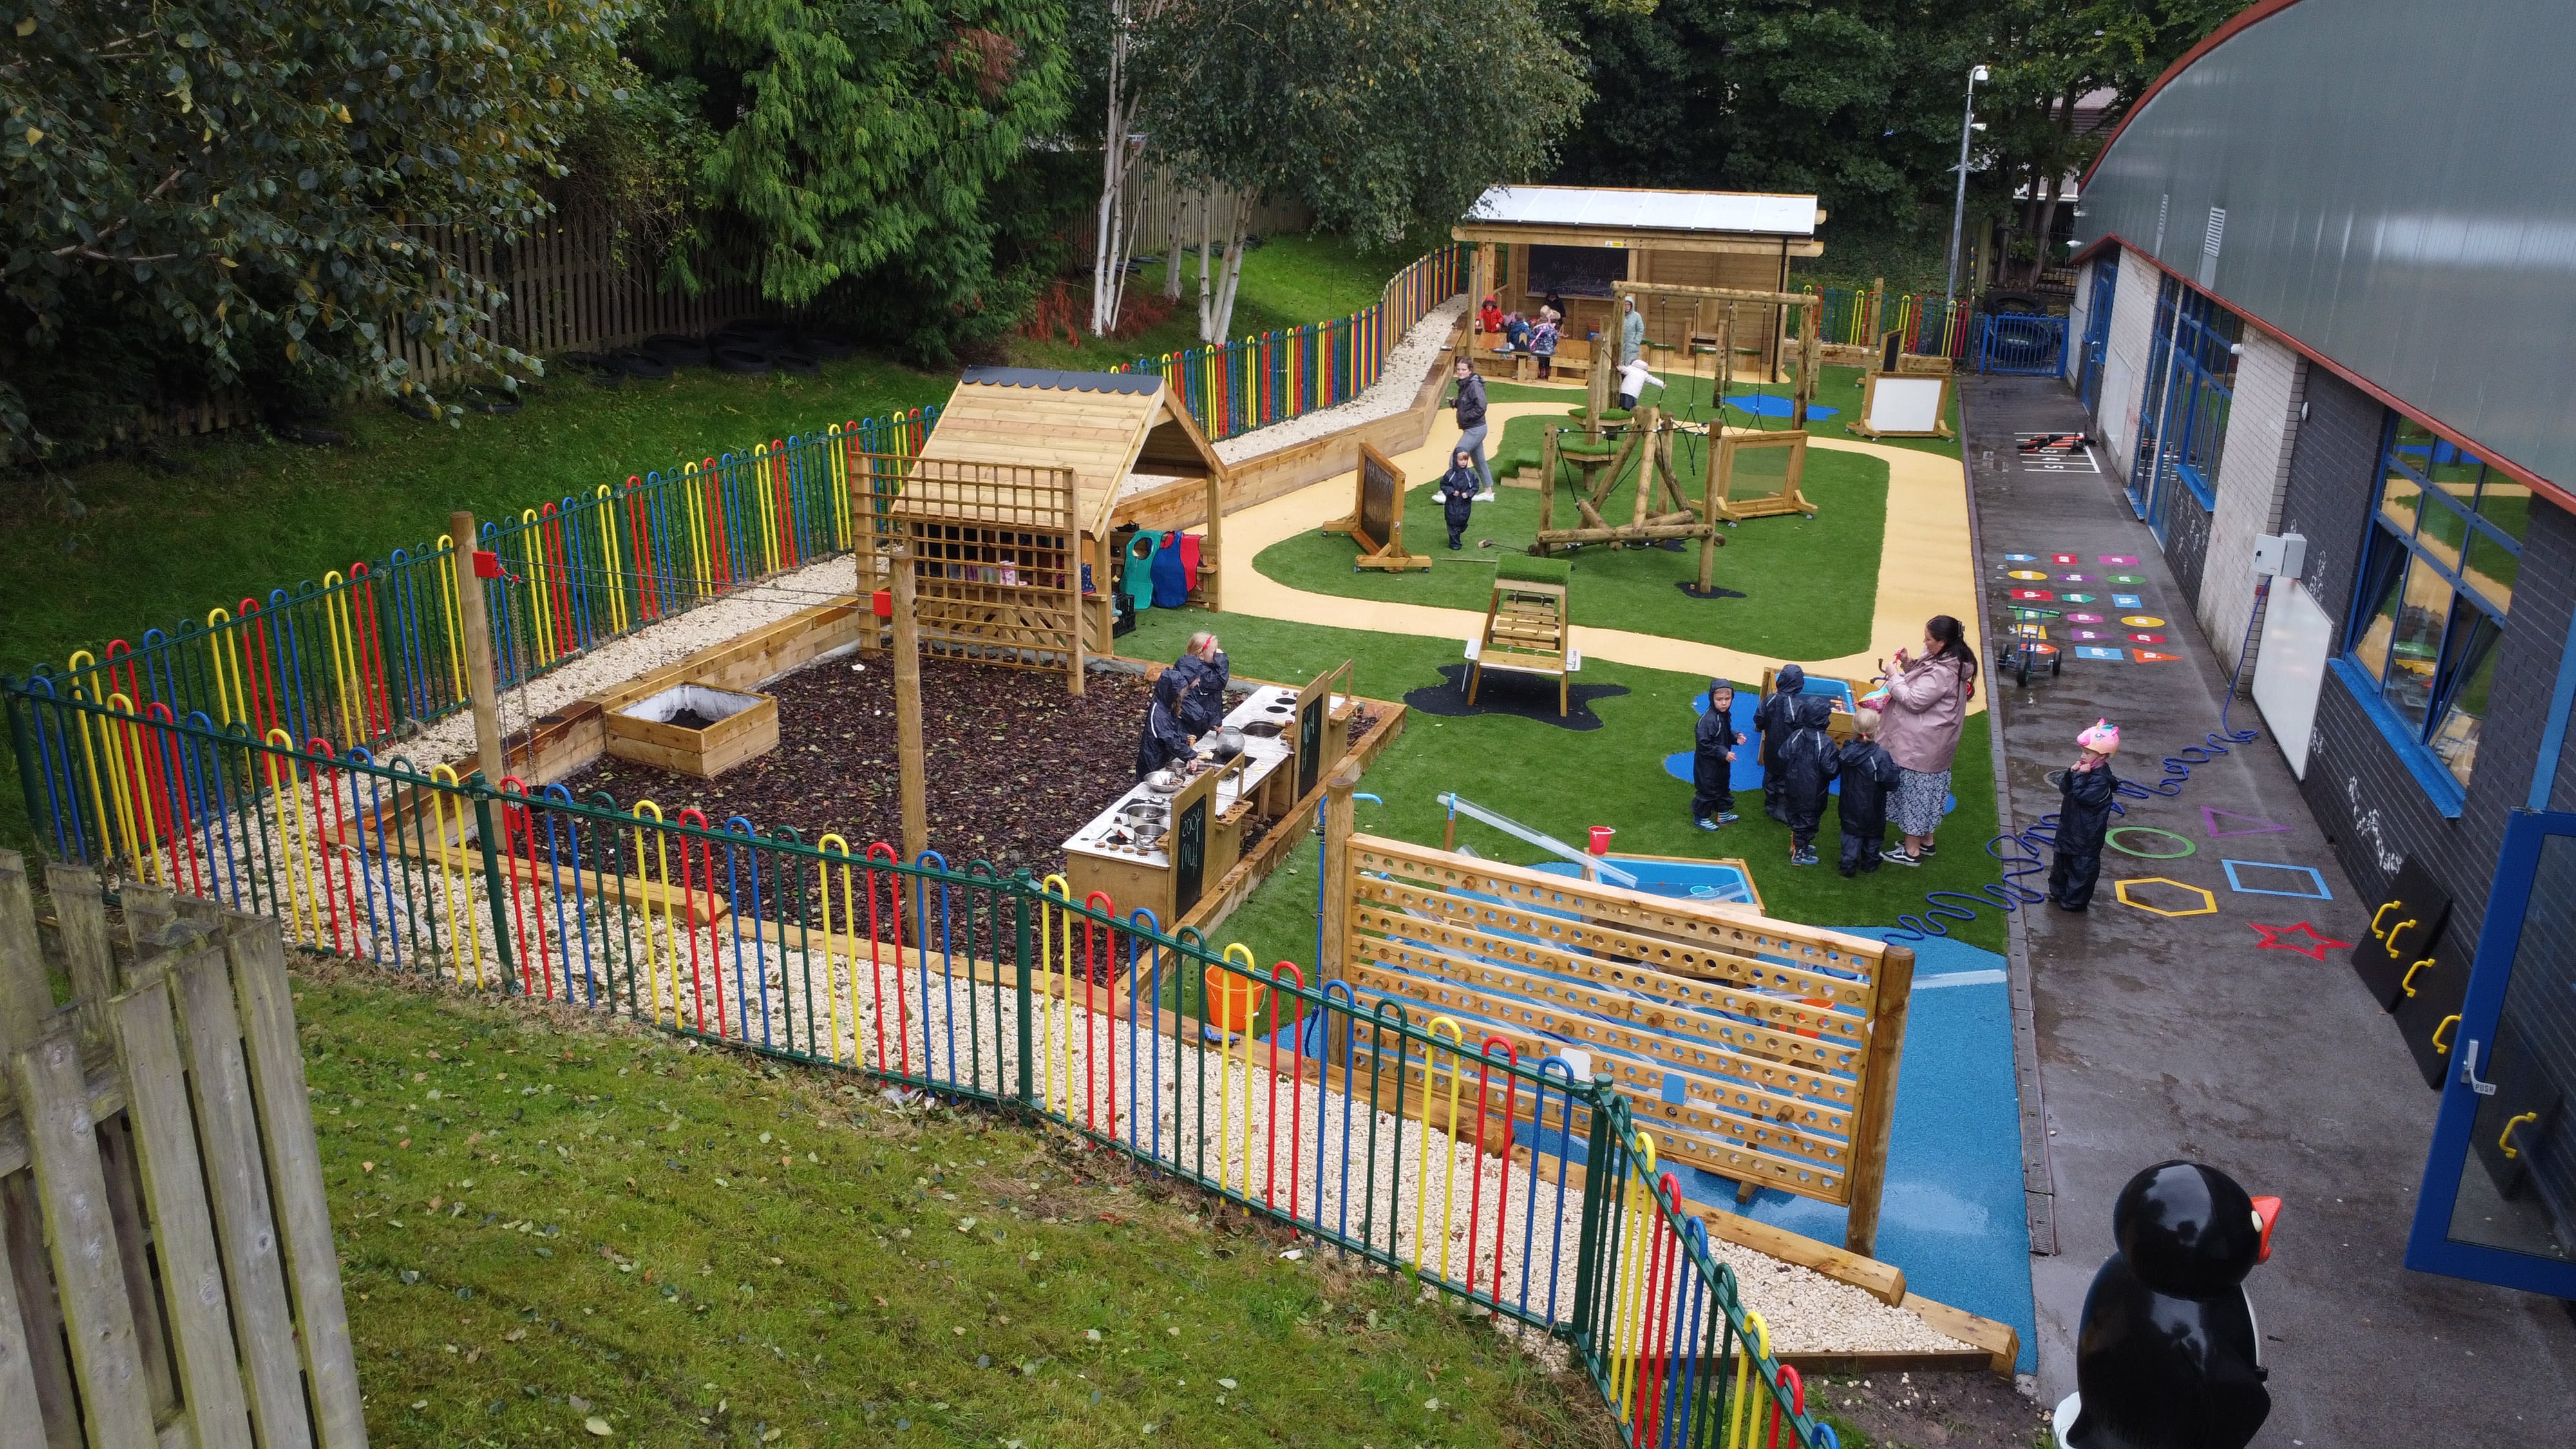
(1526, 627)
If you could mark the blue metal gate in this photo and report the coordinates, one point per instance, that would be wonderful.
(2021, 344)
(2097, 334)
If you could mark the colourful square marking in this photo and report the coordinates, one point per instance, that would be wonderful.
(2083, 618)
(2064, 558)
(2144, 638)
(2041, 596)
(2116, 558)
(2238, 870)
(2126, 601)
(2096, 651)
(2075, 578)
(2086, 634)
(2124, 578)
(2034, 613)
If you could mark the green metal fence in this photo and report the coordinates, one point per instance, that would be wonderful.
(1350, 1119)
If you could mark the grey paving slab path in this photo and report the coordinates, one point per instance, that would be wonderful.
(2154, 1036)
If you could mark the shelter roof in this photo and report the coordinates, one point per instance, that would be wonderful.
(1613, 208)
(1093, 424)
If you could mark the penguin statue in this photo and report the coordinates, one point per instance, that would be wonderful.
(2167, 1356)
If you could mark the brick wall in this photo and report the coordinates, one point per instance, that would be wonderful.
(2365, 798)
(2253, 476)
(2124, 351)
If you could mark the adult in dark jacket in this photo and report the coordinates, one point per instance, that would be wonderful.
(2084, 817)
(1471, 426)
(1713, 759)
(1206, 672)
(1868, 772)
(1166, 740)
(1456, 496)
(1772, 720)
(1807, 763)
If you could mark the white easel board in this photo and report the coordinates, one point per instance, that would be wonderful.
(2297, 639)
(1905, 406)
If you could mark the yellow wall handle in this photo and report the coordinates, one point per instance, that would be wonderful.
(2408, 985)
(2384, 909)
(2441, 1047)
(2504, 1139)
(2396, 931)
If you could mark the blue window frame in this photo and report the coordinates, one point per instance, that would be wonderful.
(2190, 387)
(2438, 567)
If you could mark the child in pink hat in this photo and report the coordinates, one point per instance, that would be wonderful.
(2084, 817)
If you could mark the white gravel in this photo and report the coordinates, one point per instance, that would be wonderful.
(1392, 393)
(953, 1028)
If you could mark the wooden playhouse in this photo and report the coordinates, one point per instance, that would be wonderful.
(1578, 241)
(1031, 464)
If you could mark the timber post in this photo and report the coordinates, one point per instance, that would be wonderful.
(909, 769)
(1878, 1103)
(474, 618)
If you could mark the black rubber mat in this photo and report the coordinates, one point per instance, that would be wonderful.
(1524, 696)
(1691, 587)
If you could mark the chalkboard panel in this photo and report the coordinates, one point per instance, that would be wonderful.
(1381, 489)
(1189, 856)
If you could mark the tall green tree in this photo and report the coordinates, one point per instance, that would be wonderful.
(1387, 118)
(857, 150)
(192, 191)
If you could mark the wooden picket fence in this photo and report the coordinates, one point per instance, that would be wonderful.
(169, 1277)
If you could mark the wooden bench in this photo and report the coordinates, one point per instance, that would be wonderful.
(1526, 626)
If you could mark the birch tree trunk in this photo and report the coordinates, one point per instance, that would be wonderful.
(1233, 275)
(1115, 238)
(1207, 239)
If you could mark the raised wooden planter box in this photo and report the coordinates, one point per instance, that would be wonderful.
(695, 729)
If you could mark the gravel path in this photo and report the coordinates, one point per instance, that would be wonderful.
(1392, 393)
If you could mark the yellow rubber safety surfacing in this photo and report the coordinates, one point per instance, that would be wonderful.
(2208, 903)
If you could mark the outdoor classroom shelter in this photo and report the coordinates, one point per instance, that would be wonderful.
(1575, 241)
(1103, 438)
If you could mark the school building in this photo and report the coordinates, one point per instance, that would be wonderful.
(2327, 287)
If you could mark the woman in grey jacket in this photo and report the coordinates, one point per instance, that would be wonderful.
(1927, 701)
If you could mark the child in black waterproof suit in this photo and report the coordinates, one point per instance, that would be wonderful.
(1457, 493)
(1713, 758)
(2084, 817)
(1807, 763)
(1773, 718)
(1868, 772)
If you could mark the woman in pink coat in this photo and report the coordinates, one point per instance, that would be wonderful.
(1927, 700)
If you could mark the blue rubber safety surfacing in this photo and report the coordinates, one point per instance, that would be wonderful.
(1765, 405)
(1952, 1214)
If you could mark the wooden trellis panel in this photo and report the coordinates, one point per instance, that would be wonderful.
(996, 559)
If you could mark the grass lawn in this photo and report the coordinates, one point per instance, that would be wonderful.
(551, 1218)
(1289, 281)
(1811, 586)
(1560, 782)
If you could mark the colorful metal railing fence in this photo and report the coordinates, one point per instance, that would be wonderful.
(1857, 318)
(356, 658)
(1349, 1118)
(1235, 387)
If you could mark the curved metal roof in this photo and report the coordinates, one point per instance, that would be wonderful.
(2385, 184)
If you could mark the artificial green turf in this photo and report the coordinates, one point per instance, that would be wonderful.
(1561, 782)
(1290, 281)
(1810, 585)
(546, 1218)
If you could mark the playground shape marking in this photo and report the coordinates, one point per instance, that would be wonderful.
(2033, 575)
(2116, 558)
(2081, 598)
(2064, 559)
(2021, 558)
(2237, 884)
(2083, 618)
(2146, 638)
(2208, 903)
(2097, 651)
(2124, 578)
(2075, 578)
(2111, 838)
(2302, 938)
(2150, 656)
(2029, 615)
(2141, 621)
(2087, 634)
(2038, 596)
(2054, 453)
(2211, 814)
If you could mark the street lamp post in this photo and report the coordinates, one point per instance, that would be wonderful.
(1959, 206)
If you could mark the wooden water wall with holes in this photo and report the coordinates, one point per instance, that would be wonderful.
(169, 1277)
(1760, 1050)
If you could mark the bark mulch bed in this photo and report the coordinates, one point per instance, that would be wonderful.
(1014, 763)
(1931, 1410)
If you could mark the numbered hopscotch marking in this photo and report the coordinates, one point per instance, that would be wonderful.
(2054, 453)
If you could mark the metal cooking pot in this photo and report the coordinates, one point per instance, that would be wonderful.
(1165, 782)
(1226, 743)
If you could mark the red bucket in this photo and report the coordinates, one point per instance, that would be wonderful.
(1601, 839)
